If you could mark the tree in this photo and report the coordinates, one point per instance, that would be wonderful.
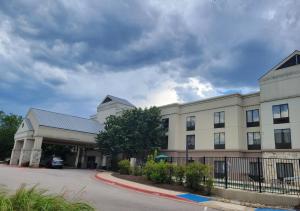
(8, 127)
(134, 133)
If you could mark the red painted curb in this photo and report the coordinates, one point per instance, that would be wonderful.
(143, 190)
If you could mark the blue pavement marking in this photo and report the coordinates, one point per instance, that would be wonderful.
(194, 197)
(270, 209)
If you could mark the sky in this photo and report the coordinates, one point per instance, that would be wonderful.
(66, 56)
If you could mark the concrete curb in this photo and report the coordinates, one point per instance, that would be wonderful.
(142, 190)
(210, 204)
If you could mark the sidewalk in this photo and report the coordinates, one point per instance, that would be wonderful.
(180, 196)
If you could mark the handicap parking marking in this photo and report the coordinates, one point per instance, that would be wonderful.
(194, 197)
(270, 209)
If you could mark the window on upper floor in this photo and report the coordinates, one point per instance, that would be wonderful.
(284, 170)
(253, 139)
(190, 141)
(252, 117)
(164, 144)
(190, 123)
(219, 119)
(219, 140)
(280, 114)
(282, 138)
(165, 124)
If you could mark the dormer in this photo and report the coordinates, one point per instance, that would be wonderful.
(282, 80)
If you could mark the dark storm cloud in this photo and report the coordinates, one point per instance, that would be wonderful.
(49, 48)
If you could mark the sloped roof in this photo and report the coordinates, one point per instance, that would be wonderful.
(116, 99)
(279, 67)
(64, 121)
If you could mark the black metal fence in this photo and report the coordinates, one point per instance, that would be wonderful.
(272, 175)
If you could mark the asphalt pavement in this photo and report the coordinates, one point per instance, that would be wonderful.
(78, 184)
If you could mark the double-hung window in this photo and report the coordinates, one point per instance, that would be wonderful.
(190, 141)
(219, 140)
(190, 123)
(219, 169)
(219, 119)
(254, 140)
(284, 170)
(165, 124)
(281, 114)
(252, 117)
(282, 138)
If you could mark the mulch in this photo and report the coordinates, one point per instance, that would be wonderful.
(143, 180)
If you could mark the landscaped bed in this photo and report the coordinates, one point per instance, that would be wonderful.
(145, 181)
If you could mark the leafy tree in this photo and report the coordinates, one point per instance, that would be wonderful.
(134, 133)
(9, 124)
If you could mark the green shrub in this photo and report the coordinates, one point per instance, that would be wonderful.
(124, 167)
(179, 172)
(159, 173)
(137, 170)
(148, 169)
(36, 200)
(195, 174)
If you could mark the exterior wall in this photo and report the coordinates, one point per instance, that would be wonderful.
(69, 135)
(279, 84)
(268, 126)
(110, 108)
(234, 106)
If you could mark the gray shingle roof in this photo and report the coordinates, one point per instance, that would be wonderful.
(68, 122)
(120, 100)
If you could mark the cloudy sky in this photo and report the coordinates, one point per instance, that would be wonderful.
(65, 56)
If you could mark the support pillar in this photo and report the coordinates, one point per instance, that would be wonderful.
(77, 157)
(36, 152)
(83, 159)
(16, 152)
(26, 152)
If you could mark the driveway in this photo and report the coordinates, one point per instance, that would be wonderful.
(82, 184)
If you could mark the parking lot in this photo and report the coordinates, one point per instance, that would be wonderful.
(81, 184)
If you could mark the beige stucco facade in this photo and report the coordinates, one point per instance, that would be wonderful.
(278, 86)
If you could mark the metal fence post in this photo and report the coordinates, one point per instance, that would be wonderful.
(204, 160)
(259, 174)
(226, 176)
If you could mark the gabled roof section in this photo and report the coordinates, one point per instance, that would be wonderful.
(110, 98)
(67, 122)
(291, 60)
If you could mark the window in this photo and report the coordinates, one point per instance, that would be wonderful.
(219, 169)
(219, 119)
(164, 144)
(282, 138)
(252, 117)
(190, 141)
(253, 139)
(280, 114)
(284, 170)
(165, 124)
(255, 169)
(219, 140)
(190, 123)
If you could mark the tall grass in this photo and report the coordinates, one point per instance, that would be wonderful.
(33, 199)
